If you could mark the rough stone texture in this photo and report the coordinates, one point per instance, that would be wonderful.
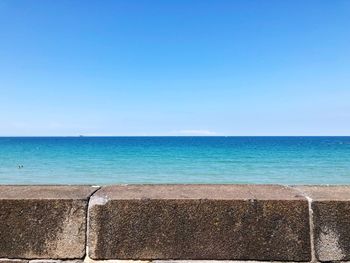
(43, 221)
(220, 222)
(6, 260)
(331, 221)
(55, 261)
(213, 261)
(89, 260)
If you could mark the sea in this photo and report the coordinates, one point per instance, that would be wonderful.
(174, 160)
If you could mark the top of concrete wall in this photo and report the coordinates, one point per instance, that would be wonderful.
(210, 192)
(326, 193)
(45, 192)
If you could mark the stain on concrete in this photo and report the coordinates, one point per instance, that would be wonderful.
(328, 244)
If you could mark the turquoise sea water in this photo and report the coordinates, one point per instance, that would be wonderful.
(110, 160)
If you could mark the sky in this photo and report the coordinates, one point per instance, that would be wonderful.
(172, 68)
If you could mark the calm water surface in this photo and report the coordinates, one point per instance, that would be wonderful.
(110, 160)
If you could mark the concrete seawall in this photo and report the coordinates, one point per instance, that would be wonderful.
(167, 223)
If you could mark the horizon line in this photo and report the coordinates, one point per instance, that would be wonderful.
(95, 136)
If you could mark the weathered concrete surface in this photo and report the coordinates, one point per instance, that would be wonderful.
(220, 222)
(89, 260)
(2, 260)
(213, 261)
(43, 221)
(331, 220)
(5, 260)
(55, 261)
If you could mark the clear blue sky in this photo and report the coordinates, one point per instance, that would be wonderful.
(174, 67)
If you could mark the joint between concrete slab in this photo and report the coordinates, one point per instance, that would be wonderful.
(311, 222)
(87, 220)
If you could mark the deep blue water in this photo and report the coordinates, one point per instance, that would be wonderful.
(110, 160)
